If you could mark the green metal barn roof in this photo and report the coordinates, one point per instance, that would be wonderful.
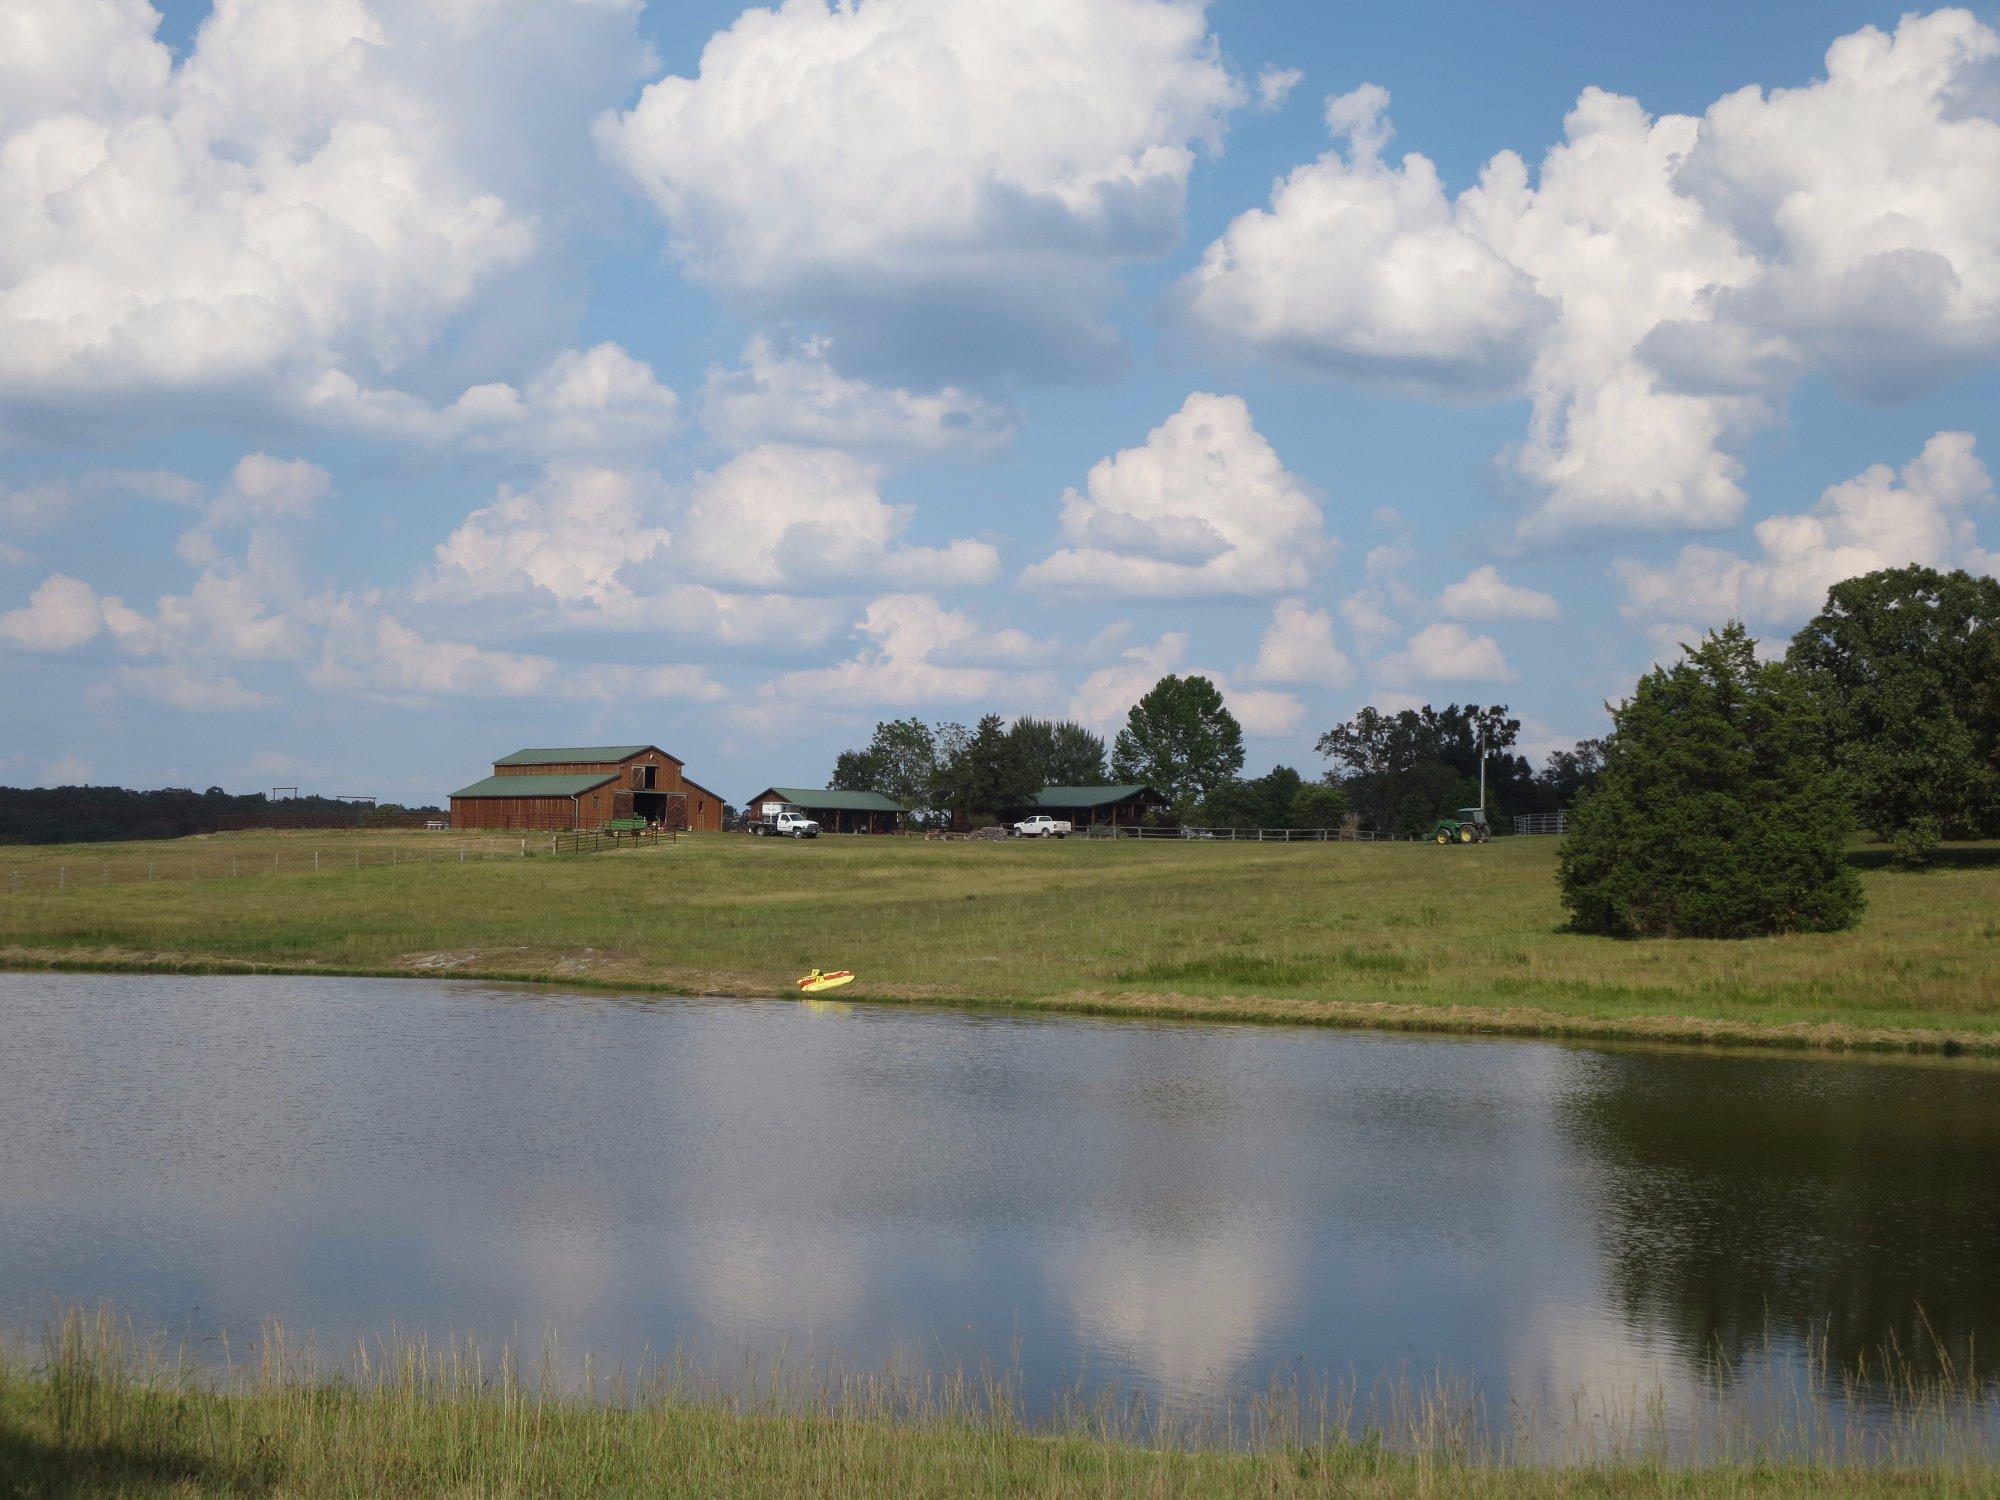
(806, 796)
(1084, 796)
(535, 786)
(570, 755)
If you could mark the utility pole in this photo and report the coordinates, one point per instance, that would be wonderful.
(1482, 771)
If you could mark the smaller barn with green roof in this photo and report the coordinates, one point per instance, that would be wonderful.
(1095, 806)
(834, 811)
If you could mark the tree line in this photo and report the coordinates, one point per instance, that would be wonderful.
(1719, 804)
(96, 814)
(1392, 772)
(949, 773)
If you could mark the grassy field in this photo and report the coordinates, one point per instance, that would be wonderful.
(1404, 935)
(97, 1415)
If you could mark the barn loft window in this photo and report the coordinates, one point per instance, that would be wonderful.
(642, 777)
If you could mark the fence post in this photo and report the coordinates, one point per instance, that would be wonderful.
(315, 861)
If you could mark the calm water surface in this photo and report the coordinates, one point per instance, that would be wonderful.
(1181, 1209)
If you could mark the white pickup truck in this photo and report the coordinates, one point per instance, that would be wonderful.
(1042, 826)
(787, 822)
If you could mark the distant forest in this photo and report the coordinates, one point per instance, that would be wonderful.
(93, 814)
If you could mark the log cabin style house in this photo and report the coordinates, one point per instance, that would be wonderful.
(834, 811)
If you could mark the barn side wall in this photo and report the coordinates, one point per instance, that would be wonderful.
(528, 814)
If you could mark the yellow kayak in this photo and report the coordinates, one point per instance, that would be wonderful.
(814, 982)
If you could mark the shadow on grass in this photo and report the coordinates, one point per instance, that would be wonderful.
(35, 1466)
(1985, 856)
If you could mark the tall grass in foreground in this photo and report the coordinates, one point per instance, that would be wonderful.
(98, 1411)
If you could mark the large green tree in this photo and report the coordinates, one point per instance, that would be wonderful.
(1258, 802)
(900, 761)
(1568, 774)
(1062, 753)
(1180, 739)
(1905, 665)
(1716, 814)
(1320, 804)
(1403, 770)
(985, 773)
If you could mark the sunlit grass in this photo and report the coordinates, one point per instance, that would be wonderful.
(96, 1411)
(1400, 934)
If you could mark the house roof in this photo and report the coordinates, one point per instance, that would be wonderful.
(577, 755)
(535, 786)
(826, 797)
(1085, 796)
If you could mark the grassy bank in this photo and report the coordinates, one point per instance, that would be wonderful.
(1388, 935)
(92, 1413)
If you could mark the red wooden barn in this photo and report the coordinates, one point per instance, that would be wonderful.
(586, 786)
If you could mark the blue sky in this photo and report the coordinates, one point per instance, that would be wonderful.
(385, 386)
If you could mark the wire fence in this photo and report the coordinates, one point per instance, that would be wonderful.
(123, 869)
(602, 843)
(1244, 835)
(1540, 823)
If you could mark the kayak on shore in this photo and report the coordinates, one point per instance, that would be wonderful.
(814, 982)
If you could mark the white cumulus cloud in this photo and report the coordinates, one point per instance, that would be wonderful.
(1203, 508)
(567, 538)
(60, 615)
(794, 394)
(1654, 284)
(1361, 267)
(174, 685)
(1877, 519)
(1274, 87)
(587, 402)
(941, 182)
(315, 186)
(813, 520)
(1298, 647)
(1446, 652)
(915, 651)
(1483, 594)
(1105, 696)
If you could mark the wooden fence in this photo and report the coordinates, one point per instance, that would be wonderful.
(1245, 835)
(600, 842)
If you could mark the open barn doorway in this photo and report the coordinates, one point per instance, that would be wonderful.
(661, 809)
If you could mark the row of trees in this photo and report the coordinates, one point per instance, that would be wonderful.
(1394, 772)
(1179, 738)
(1730, 785)
(948, 772)
(91, 814)
(1401, 770)
(1883, 714)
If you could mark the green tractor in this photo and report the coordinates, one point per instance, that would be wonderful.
(1469, 827)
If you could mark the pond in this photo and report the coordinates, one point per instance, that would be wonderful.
(1176, 1209)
